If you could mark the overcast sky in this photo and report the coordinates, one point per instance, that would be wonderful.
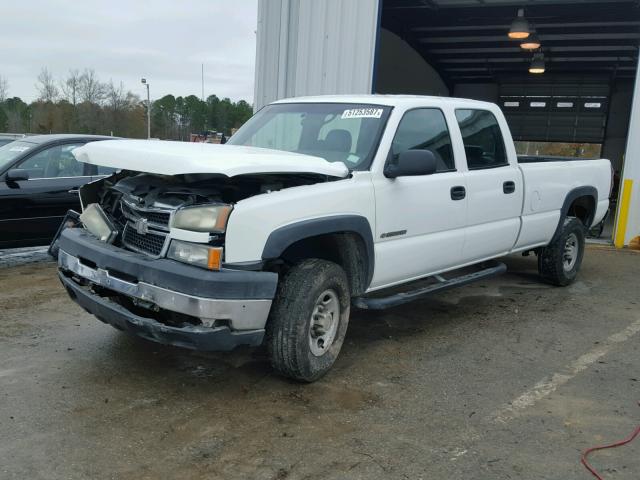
(165, 41)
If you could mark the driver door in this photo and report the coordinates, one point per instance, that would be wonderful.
(420, 220)
(35, 207)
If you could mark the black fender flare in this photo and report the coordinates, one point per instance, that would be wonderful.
(569, 199)
(282, 238)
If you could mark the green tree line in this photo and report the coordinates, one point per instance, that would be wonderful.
(81, 103)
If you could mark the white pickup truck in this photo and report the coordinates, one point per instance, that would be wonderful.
(314, 206)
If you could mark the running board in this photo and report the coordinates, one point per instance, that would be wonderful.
(380, 303)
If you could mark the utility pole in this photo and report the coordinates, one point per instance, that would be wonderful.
(144, 82)
(205, 117)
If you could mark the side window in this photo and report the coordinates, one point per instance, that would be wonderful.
(425, 129)
(482, 137)
(57, 161)
(105, 170)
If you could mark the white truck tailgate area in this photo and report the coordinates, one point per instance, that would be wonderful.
(546, 185)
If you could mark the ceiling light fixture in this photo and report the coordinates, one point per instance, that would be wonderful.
(520, 26)
(537, 64)
(531, 43)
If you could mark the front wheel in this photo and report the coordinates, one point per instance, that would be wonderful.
(559, 262)
(308, 320)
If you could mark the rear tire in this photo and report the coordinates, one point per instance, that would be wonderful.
(559, 262)
(308, 320)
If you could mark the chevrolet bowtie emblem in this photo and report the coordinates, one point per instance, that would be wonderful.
(142, 226)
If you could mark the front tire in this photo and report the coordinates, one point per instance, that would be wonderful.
(559, 262)
(308, 320)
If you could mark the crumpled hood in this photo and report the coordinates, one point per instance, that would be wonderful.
(175, 158)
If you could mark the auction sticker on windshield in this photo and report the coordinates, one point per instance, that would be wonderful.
(363, 113)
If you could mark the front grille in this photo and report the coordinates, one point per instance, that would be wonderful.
(157, 217)
(151, 243)
(160, 218)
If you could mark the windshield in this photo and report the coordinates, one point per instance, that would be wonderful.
(11, 151)
(337, 132)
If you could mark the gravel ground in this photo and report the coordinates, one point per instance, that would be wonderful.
(505, 379)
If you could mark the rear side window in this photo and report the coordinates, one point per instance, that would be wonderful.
(425, 129)
(105, 170)
(482, 137)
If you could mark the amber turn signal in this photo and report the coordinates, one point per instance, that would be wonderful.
(215, 259)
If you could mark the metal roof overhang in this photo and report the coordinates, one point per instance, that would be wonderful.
(466, 40)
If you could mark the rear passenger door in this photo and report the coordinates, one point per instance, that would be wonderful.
(420, 220)
(494, 187)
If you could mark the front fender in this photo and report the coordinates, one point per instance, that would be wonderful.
(251, 232)
(282, 238)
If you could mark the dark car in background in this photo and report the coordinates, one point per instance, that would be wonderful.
(8, 138)
(39, 181)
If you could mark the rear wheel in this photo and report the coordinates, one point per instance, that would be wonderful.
(559, 262)
(309, 319)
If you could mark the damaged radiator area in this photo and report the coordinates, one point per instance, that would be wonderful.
(140, 205)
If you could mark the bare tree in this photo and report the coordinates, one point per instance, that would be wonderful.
(46, 86)
(116, 98)
(91, 90)
(119, 107)
(14, 121)
(71, 87)
(4, 88)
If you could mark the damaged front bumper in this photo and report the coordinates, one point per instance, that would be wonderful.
(230, 307)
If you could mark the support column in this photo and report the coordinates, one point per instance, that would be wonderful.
(312, 47)
(628, 214)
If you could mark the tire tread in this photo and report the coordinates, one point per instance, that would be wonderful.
(550, 257)
(284, 327)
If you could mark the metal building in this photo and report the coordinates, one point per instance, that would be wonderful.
(589, 93)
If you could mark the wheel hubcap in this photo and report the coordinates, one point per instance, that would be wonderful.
(571, 250)
(324, 322)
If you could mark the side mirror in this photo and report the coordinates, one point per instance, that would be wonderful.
(17, 174)
(411, 163)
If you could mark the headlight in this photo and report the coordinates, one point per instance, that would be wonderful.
(207, 218)
(94, 219)
(196, 254)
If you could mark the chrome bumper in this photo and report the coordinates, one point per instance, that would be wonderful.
(241, 314)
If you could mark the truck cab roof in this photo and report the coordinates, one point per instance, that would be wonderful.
(389, 100)
(50, 138)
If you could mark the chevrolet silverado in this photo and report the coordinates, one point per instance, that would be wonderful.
(314, 206)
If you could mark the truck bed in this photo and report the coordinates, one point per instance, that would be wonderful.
(546, 186)
(548, 158)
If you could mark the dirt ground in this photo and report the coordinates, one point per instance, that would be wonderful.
(507, 379)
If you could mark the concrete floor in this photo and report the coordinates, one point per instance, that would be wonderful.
(501, 380)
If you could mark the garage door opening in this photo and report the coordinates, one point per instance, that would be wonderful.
(579, 107)
(559, 149)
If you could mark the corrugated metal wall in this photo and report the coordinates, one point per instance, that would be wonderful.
(314, 47)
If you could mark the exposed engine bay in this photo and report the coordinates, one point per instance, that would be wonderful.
(141, 205)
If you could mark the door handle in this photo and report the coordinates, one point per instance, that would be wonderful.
(458, 192)
(73, 190)
(509, 187)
